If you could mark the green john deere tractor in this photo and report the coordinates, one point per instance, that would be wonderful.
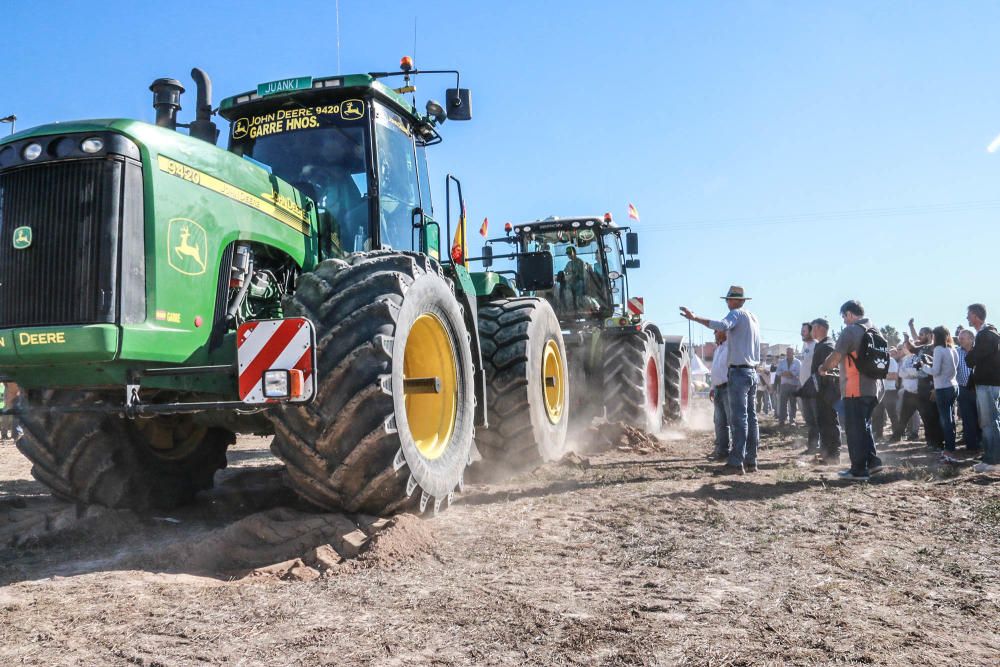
(620, 366)
(161, 294)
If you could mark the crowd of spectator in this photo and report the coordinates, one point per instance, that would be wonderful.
(852, 387)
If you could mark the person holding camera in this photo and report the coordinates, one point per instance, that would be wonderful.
(923, 350)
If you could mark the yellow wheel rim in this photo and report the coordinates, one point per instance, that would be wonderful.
(430, 385)
(553, 382)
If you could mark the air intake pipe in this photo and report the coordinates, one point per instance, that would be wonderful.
(167, 101)
(202, 127)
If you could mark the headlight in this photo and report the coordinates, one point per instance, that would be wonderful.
(32, 151)
(92, 145)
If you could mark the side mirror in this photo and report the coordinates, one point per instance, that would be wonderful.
(459, 103)
(631, 264)
(631, 243)
(534, 271)
(487, 256)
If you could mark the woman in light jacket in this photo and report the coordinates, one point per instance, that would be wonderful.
(944, 371)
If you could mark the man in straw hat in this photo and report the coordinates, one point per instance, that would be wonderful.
(743, 335)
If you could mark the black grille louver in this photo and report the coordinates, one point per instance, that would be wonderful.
(68, 274)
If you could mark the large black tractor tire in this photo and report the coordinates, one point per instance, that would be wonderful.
(585, 363)
(633, 379)
(102, 459)
(526, 385)
(676, 380)
(366, 444)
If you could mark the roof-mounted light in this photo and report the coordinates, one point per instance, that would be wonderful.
(575, 224)
(436, 111)
(607, 217)
(507, 227)
(406, 63)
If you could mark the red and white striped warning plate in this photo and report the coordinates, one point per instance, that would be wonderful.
(636, 306)
(264, 345)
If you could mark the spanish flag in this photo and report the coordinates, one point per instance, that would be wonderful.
(458, 244)
(483, 227)
(633, 212)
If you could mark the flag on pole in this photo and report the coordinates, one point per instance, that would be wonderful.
(458, 244)
(633, 212)
(483, 227)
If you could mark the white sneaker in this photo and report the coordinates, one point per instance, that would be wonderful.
(985, 467)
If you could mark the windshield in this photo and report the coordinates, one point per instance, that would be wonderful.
(322, 151)
(580, 284)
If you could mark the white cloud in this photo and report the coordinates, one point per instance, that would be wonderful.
(995, 146)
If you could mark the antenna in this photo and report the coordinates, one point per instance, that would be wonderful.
(12, 119)
(413, 94)
(337, 10)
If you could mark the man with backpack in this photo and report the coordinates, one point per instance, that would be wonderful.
(984, 360)
(863, 355)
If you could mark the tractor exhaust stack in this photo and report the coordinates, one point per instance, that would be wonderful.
(202, 127)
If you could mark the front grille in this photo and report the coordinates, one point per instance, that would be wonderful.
(68, 273)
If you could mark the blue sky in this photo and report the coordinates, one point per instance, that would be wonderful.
(809, 152)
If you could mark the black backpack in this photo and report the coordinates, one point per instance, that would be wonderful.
(873, 354)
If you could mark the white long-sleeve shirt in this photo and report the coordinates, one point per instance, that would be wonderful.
(945, 368)
(807, 361)
(720, 365)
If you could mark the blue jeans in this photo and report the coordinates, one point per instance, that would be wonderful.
(945, 399)
(860, 441)
(786, 403)
(722, 420)
(970, 416)
(743, 416)
(988, 404)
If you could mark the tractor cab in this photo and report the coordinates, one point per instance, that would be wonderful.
(356, 148)
(589, 278)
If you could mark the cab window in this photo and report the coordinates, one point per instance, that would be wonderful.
(399, 193)
(425, 184)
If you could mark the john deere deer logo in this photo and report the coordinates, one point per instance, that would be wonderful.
(187, 247)
(22, 238)
(352, 110)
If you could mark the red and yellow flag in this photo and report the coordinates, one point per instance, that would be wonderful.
(458, 244)
(633, 212)
(483, 227)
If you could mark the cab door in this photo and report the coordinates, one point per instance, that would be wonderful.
(400, 218)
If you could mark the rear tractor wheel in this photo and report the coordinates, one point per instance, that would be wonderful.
(527, 394)
(633, 379)
(391, 425)
(677, 380)
(103, 459)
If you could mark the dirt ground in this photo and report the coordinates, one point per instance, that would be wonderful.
(638, 555)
